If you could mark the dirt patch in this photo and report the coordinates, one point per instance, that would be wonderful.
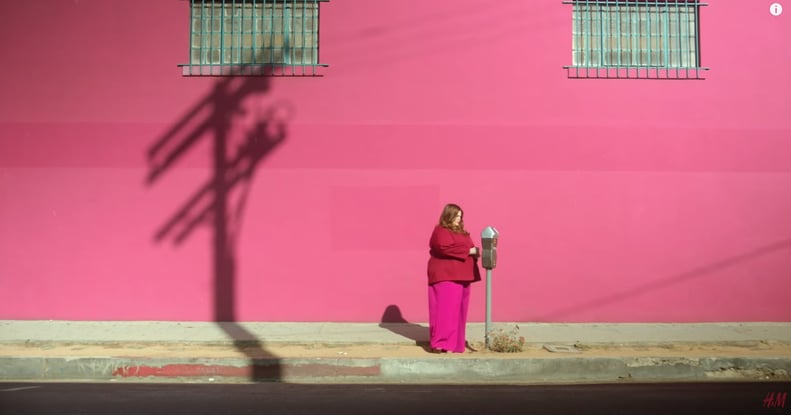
(358, 350)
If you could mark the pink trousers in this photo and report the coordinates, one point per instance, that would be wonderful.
(448, 302)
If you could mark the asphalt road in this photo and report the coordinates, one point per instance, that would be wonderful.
(299, 399)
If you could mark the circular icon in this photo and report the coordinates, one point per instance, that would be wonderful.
(776, 9)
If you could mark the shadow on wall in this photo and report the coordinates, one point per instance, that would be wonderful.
(219, 203)
(673, 280)
(393, 320)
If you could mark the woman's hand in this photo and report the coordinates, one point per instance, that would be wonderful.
(474, 251)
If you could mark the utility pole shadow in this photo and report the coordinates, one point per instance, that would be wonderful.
(219, 203)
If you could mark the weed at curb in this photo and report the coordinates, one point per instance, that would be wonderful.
(509, 341)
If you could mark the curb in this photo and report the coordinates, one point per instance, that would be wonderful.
(397, 370)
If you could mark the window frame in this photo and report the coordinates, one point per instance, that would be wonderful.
(664, 51)
(223, 52)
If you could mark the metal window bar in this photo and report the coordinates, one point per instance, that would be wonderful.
(666, 39)
(661, 36)
(696, 23)
(587, 34)
(649, 12)
(271, 36)
(254, 37)
(222, 32)
(618, 50)
(678, 38)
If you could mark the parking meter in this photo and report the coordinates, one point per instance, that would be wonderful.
(489, 237)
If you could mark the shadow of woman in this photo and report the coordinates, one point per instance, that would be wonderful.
(393, 320)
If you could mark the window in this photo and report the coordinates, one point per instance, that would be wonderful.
(254, 37)
(636, 39)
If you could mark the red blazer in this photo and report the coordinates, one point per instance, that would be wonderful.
(450, 257)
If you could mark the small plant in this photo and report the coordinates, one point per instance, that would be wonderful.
(506, 341)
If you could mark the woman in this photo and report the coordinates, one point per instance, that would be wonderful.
(452, 266)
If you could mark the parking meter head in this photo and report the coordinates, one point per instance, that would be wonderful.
(489, 237)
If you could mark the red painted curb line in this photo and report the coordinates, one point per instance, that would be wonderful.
(274, 371)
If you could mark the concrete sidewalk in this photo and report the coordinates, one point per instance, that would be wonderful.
(388, 353)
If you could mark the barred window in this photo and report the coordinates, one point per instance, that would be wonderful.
(636, 38)
(254, 37)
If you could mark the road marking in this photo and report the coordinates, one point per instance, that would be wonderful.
(23, 388)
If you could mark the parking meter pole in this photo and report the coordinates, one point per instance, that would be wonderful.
(488, 306)
(489, 238)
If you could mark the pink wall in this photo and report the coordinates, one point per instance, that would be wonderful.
(617, 200)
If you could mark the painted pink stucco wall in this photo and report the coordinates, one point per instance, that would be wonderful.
(617, 200)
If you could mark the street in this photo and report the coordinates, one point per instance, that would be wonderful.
(301, 399)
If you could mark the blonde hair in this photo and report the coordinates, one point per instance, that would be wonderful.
(447, 216)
